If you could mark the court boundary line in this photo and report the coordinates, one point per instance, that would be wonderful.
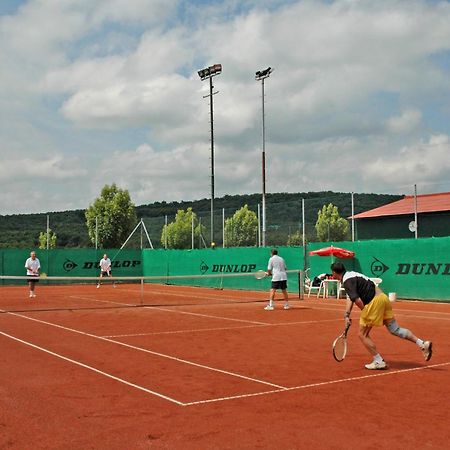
(161, 355)
(98, 371)
(312, 385)
(206, 401)
(156, 333)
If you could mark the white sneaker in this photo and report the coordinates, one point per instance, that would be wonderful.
(34, 295)
(427, 350)
(269, 308)
(31, 295)
(376, 365)
(286, 306)
(98, 286)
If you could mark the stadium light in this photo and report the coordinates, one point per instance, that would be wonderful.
(261, 75)
(204, 74)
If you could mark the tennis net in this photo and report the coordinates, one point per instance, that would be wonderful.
(59, 293)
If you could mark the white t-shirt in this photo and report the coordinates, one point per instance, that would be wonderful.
(105, 264)
(278, 268)
(32, 266)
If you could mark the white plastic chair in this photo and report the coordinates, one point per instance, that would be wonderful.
(313, 289)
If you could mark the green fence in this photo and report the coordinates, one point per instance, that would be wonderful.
(412, 268)
(72, 262)
(222, 263)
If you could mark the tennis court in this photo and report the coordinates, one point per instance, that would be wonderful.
(197, 368)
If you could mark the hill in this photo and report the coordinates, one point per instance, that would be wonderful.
(283, 217)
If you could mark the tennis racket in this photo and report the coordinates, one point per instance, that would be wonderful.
(43, 275)
(260, 274)
(340, 345)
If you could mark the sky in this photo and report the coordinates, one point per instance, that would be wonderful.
(95, 92)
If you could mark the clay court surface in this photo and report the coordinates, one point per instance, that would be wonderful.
(210, 369)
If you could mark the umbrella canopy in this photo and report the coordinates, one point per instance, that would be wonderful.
(333, 251)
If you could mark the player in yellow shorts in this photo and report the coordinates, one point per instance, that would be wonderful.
(376, 310)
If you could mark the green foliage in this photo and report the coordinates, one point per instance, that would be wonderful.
(294, 239)
(241, 229)
(112, 215)
(178, 234)
(43, 239)
(284, 213)
(330, 226)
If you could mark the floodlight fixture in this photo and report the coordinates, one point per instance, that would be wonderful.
(261, 74)
(210, 71)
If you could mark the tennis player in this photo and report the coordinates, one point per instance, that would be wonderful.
(33, 266)
(105, 269)
(376, 310)
(276, 268)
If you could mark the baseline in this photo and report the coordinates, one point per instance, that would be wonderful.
(312, 385)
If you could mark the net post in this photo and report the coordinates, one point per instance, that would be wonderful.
(301, 284)
(142, 291)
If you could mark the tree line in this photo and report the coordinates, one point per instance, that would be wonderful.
(111, 217)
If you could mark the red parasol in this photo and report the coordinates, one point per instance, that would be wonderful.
(333, 251)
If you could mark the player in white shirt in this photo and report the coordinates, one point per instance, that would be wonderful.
(105, 269)
(277, 269)
(33, 266)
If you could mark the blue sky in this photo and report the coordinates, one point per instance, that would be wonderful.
(101, 91)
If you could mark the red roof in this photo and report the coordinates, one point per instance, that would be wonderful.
(425, 204)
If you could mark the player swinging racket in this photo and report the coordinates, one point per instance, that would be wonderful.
(376, 310)
(105, 269)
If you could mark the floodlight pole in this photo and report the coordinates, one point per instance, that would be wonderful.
(211, 112)
(210, 72)
(261, 75)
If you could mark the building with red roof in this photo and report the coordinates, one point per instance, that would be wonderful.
(397, 219)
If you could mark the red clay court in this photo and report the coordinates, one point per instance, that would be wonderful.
(211, 369)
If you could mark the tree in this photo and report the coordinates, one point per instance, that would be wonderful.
(330, 226)
(178, 234)
(111, 217)
(295, 239)
(43, 239)
(242, 228)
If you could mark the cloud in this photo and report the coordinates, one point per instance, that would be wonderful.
(408, 121)
(357, 101)
(422, 162)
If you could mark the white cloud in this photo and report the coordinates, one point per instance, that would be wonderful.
(357, 100)
(422, 162)
(408, 121)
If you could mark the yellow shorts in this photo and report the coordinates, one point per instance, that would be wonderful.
(378, 310)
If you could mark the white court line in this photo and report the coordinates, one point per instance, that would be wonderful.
(199, 330)
(162, 355)
(101, 372)
(205, 315)
(312, 385)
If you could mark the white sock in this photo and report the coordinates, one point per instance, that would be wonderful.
(377, 358)
(419, 342)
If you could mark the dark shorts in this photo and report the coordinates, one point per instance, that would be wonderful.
(105, 273)
(279, 285)
(33, 279)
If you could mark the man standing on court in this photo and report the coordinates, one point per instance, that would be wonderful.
(376, 310)
(105, 269)
(33, 266)
(277, 269)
